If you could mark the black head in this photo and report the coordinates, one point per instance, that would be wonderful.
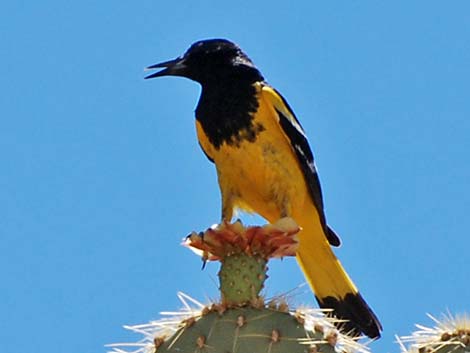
(210, 61)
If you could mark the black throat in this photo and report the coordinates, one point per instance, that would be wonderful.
(226, 109)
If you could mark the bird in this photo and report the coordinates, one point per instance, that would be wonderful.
(265, 165)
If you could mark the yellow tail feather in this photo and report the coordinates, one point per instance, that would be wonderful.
(331, 284)
(320, 266)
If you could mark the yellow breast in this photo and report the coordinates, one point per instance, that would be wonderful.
(261, 176)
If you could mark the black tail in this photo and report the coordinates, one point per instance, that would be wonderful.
(353, 308)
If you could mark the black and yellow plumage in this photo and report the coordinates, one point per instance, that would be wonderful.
(265, 165)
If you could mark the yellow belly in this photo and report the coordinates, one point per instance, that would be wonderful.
(261, 176)
(258, 179)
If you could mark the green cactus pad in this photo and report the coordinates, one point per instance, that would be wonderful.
(241, 278)
(246, 330)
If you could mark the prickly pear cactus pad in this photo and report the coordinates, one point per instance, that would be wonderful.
(248, 330)
(218, 329)
(451, 334)
(241, 278)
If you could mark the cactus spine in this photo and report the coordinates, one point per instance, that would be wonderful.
(449, 335)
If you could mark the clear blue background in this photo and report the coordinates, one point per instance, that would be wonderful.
(101, 174)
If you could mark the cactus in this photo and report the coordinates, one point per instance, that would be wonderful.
(242, 322)
(248, 329)
(244, 253)
(241, 278)
(449, 335)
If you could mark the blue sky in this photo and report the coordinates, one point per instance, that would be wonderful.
(102, 175)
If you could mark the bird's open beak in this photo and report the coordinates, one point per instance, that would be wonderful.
(175, 67)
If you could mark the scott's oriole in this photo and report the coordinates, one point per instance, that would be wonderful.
(265, 165)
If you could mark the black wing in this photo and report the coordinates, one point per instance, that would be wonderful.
(298, 140)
